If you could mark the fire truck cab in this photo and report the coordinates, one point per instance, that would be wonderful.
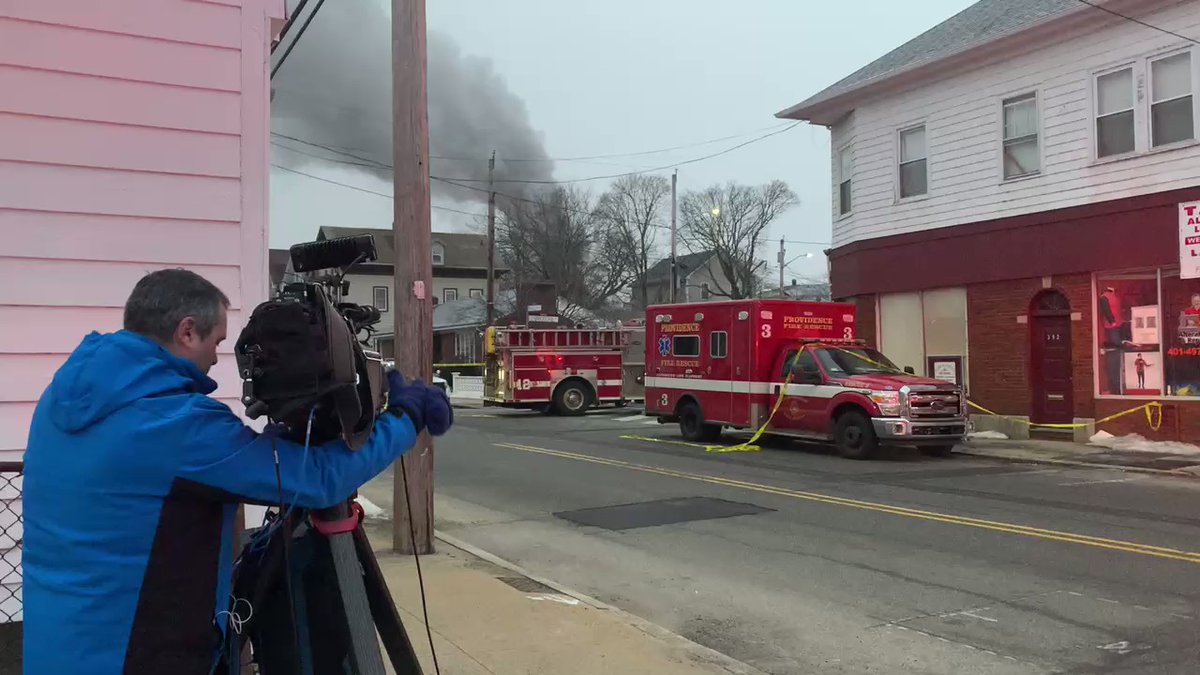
(563, 370)
(717, 365)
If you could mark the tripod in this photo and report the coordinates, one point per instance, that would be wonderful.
(318, 597)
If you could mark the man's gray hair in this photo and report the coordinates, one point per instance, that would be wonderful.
(162, 299)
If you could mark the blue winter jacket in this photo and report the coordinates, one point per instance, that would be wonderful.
(133, 476)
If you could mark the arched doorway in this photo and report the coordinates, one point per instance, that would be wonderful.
(1050, 358)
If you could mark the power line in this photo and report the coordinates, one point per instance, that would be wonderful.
(303, 27)
(313, 154)
(371, 162)
(1138, 21)
(369, 191)
(634, 173)
(616, 154)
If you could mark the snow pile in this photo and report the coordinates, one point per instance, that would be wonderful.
(988, 435)
(371, 510)
(1139, 443)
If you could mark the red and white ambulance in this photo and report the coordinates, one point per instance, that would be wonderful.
(563, 370)
(716, 365)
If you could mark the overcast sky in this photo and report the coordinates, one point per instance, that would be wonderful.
(625, 76)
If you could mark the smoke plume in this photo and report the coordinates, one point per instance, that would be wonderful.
(335, 90)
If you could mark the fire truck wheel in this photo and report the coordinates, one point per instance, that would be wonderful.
(855, 435)
(693, 427)
(572, 398)
(938, 450)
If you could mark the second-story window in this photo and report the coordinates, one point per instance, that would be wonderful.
(1114, 113)
(845, 174)
(1171, 119)
(1021, 154)
(439, 253)
(914, 178)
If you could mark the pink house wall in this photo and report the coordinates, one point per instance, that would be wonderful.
(133, 136)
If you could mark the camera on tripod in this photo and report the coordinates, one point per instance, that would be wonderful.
(301, 358)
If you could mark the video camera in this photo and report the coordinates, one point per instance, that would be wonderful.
(301, 350)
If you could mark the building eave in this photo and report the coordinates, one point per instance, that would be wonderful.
(826, 109)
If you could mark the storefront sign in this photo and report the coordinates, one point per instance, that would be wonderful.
(945, 368)
(1189, 240)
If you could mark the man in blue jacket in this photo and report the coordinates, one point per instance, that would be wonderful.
(133, 476)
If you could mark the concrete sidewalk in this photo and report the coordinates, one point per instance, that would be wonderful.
(1077, 454)
(489, 619)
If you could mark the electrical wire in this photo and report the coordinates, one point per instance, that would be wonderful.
(287, 557)
(412, 533)
(634, 173)
(1138, 21)
(618, 154)
(288, 26)
(369, 191)
(303, 27)
(556, 182)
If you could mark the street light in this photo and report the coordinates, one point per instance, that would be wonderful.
(716, 211)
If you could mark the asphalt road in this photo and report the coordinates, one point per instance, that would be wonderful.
(905, 564)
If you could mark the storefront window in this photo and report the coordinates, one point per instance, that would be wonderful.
(919, 327)
(1181, 334)
(1147, 334)
(1127, 335)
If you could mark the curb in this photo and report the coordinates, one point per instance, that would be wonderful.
(1177, 473)
(700, 652)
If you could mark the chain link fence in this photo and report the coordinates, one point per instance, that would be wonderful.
(12, 534)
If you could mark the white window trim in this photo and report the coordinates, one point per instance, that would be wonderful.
(1037, 100)
(446, 291)
(1141, 109)
(837, 185)
(433, 254)
(1195, 76)
(386, 299)
(896, 164)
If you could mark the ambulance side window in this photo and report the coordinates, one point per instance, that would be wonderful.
(718, 344)
(686, 345)
(806, 361)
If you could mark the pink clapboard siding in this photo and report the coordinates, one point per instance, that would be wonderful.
(133, 137)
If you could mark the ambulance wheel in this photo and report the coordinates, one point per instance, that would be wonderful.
(938, 450)
(572, 398)
(693, 427)
(855, 436)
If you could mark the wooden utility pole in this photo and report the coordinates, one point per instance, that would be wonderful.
(413, 246)
(491, 280)
(674, 268)
(781, 255)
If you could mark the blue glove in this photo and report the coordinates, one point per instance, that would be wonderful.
(426, 406)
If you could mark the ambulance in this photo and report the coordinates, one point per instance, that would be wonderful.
(713, 366)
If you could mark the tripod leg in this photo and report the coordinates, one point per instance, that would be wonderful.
(364, 645)
(387, 619)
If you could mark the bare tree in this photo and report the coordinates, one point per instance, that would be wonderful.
(731, 220)
(634, 208)
(556, 235)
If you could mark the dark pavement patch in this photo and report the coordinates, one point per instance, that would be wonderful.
(660, 512)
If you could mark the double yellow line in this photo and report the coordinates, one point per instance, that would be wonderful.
(997, 526)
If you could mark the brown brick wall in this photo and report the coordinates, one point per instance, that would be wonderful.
(999, 345)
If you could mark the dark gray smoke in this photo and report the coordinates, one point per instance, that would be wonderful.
(335, 90)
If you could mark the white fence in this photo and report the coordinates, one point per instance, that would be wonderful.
(468, 386)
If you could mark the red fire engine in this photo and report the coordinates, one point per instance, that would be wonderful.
(714, 365)
(564, 370)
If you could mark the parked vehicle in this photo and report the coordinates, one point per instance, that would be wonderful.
(563, 370)
(717, 365)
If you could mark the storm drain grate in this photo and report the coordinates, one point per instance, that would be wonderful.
(660, 512)
(527, 585)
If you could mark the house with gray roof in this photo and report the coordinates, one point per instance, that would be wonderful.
(459, 272)
(1012, 192)
(699, 277)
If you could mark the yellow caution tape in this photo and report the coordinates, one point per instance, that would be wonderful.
(458, 365)
(751, 444)
(1153, 417)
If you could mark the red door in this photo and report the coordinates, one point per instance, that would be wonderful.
(1051, 359)
(739, 366)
